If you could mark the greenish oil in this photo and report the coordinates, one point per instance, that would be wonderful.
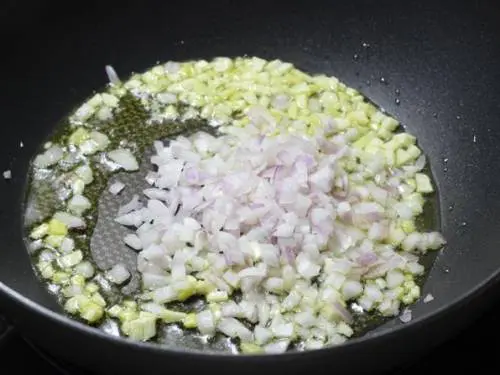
(129, 125)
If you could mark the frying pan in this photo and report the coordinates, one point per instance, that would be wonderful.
(442, 57)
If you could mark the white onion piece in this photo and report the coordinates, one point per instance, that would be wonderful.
(164, 294)
(154, 193)
(283, 330)
(78, 204)
(206, 323)
(50, 157)
(130, 219)
(112, 76)
(280, 101)
(73, 290)
(367, 259)
(118, 274)
(306, 267)
(344, 313)
(233, 328)
(428, 298)
(71, 221)
(306, 318)
(132, 205)
(420, 163)
(133, 241)
(406, 316)
(152, 281)
(248, 311)
(124, 158)
(116, 187)
(394, 278)
(167, 98)
(262, 335)
(231, 309)
(277, 347)
(47, 256)
(85, 269)
(352, 289)
(172, 67)
(153, 308)
(67, 245)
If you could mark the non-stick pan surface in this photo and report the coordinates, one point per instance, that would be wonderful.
(439, 61)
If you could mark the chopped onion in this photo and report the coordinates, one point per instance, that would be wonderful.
(69, 220)
(67, 245)
(206, 323)
(118, 274)
(351, 289)
(116, 187)
(85, 173)
(313, 209)
(85, 269)
(277, 347)
(124, 158)
(78, 204)
(50, 157)
(132, 205)
(172, 67)
(262, 335)
(112, 76)
(367, 259)
(233, 328)
(405, 316)
(343, 312)
(133, 241)
(428, 298)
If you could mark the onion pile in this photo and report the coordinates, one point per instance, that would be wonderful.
(305, 203)
(278, 219)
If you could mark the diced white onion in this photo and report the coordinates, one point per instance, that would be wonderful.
(71, 221)
(124, 158)
(118, 274)
(116, 187)
(85, 269)
(112, 76)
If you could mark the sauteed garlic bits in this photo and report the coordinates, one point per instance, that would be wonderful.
(304, 202)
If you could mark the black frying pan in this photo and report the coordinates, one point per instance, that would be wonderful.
(443, 57)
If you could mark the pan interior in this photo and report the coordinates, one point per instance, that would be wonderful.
(104, 237)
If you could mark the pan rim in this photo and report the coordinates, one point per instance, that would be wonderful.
(128, 343)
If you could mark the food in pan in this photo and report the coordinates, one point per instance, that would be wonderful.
(285, 202)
